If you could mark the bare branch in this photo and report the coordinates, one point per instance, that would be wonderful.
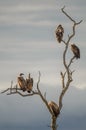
(67, 14)
(74, 25)
(16, 90)
(71, 61)
(70, 17)
(68, 72)
(23, 95)
(43, 97)
(38, 82)
(64, 42)
(5, 90)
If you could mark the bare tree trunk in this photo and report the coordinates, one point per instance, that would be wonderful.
(53, 123)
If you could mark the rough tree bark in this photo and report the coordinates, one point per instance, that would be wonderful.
(66, 77)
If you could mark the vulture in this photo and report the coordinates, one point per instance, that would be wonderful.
(75, 51)
(59, 33)
(54, 108)
(29, 84)
(21, 82)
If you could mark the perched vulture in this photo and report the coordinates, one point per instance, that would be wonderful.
(59, 33)
(21, 82)
(29, 84)
(54, 108)
(75, 51)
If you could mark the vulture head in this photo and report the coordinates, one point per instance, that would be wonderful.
(21, 74)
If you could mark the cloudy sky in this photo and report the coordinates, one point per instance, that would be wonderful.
(28, 44)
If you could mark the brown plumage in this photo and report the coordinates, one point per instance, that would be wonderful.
(29, 84)
(54, 108)
(75, 51)
(59, 33)
(21, 82)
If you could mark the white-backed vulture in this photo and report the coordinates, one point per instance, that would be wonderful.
(29, 84)
(54, 108)
(75, 51)
(59, 33)
(21, 82)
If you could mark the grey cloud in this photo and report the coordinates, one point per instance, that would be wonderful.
(23, 14)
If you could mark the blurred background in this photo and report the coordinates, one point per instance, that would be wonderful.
(28, 44)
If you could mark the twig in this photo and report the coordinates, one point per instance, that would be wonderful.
(74, 25)
(5, 90)
(71, 61)
(23, 95)
(64, 42)
(43, 97)
(67, 14)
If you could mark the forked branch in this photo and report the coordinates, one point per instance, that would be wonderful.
(67, 75)
(16, 90)
(74, 25)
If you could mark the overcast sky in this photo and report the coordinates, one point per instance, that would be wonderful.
(28, 43)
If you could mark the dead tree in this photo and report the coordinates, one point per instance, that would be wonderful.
(66, 78)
